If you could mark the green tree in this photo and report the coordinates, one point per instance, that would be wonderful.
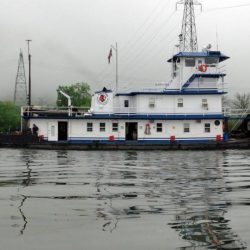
(79, 93)
(10, 117)
(241, 101)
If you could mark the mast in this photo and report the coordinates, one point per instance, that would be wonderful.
(29, 57)
(188, 36)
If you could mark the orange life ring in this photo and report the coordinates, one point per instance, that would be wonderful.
(203, 68)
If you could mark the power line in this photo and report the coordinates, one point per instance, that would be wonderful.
(228, 7)
(142, 49)
(128, 44)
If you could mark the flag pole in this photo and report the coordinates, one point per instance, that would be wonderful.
(116, 64)
(116, 78)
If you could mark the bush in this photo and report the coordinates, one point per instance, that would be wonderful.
(10, 117)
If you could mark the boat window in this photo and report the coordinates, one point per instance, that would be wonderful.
(115, 127)
(126, 103)
(186, 128)
(211, 60)
(102, 127)
(204, 104)
(89, 127)
(159, 127)
(180, 103)
(151, 103)
(207, 127)
(190, 62)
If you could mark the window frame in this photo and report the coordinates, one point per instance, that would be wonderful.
(89, 128)
(159, 127)
(186, 127)
(151, 102)
(102, 126)
(115, 128)
(126, 103)
(207, 129)
(180, 103)
(210, 61)
(188, 62)
(204, 103)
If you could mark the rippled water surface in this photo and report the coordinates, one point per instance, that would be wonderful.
(124, 200)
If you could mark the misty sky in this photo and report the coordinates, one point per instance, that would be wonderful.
(71, 40)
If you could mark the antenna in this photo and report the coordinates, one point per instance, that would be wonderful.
(20, 95)
(29, 57)
(188, 36)
(217, 38)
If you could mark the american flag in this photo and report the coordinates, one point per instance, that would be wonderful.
(110, 55)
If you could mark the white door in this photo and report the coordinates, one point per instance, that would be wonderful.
(53, 131)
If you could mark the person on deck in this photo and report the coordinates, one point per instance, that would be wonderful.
(35, 130)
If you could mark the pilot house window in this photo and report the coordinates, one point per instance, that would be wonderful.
(190, 62)
(211, 60)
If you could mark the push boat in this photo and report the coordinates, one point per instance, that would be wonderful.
(185, 113)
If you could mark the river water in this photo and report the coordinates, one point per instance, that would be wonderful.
(124, 200)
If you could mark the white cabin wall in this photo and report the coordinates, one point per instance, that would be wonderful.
(169, 104)
(203, 83)
(106, 108)
(79, 130)
(119, 104)
(176, 128)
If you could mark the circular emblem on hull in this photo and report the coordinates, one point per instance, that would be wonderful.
(102, 98)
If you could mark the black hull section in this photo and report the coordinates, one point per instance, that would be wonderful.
(33, 142)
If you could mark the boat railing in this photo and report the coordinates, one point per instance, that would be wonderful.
(38, 111)
(235, 113)
(125, 110)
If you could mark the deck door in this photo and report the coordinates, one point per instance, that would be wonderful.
(53, 131)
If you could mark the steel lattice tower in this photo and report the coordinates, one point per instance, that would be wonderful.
(20, 95)
(188, 36)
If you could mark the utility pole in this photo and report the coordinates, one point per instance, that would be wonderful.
(188, 36)
(29, 57)
(20, 95)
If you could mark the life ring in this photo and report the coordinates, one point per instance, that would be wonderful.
(203, 68)
(147, 129)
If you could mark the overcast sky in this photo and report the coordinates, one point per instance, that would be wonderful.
(71, 40)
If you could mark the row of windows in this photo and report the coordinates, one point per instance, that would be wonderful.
(180, 103)
(210, 61)
(186, 127)
(102, 127)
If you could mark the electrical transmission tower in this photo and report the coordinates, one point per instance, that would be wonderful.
(188, 36)
(20, 95)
